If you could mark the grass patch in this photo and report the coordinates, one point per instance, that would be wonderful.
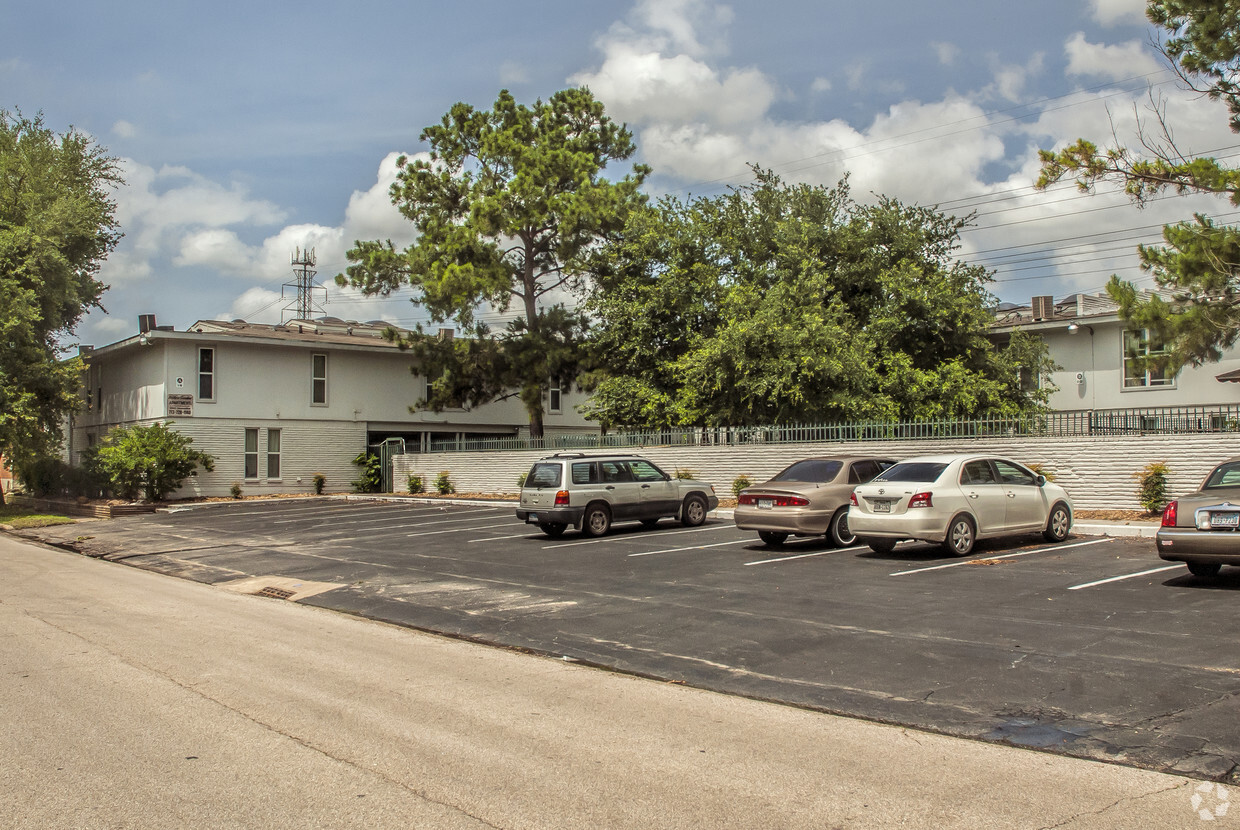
(20, 518)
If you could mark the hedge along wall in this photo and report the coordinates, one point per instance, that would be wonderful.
(1098, 472)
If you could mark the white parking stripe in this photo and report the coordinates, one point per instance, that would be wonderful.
(1125, 576)
(525, 535)
(1005, 556)
(694, 547)
(642, 536)
(374, 520)
(805, 555)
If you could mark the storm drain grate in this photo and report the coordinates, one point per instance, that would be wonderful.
(275, 593)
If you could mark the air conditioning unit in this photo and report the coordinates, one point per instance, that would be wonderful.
(1043, 308)
(1080, 377)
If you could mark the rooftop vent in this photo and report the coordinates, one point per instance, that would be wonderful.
(146, 322)
(1043, 308)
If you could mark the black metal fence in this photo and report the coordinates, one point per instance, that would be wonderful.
(1153, 421)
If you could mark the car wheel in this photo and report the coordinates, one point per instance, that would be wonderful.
(1058, 524)
(596, 521)
(552, 529)
(649, 523)
(960, 536)
(1203, 568)
(840, 535)
(772, 538)
(881, 545)
(694, 511)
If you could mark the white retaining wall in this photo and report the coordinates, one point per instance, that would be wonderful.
(1098, 472)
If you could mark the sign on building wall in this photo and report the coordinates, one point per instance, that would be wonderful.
(180, 406)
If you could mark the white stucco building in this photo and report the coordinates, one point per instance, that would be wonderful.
(277, 404)
(1095, 350)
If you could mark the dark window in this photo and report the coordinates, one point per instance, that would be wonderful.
(1140, 346)
(919, 471)
(554, 398)
(978, 472)
(863, 471)
(273, 453)
(645, 471)
(811, 469)
(585, 472)
(1009, 473)
(544, 475)
(1224, 475)
(206, 374)
(318, 373)
(615, 471)
(251, 453)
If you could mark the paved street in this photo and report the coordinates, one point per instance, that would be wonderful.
(131, 699)
(1093, 648)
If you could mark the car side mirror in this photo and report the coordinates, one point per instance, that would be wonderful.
(1040, 480)
(667, 476)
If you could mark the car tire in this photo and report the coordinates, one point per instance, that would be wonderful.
(838, 532)
(1058, 523)
(961, 536)
(881, 545)
(552, 529)
(772, 537)
(596, 521)
(1203, 568)
(693, 511)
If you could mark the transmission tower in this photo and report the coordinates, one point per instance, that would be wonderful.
(305, 307)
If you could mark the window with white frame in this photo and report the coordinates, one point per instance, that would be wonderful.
(318, 379)
(206, 374)
(554, 398)
(251, 453)
(1139, 346)
(273, 453)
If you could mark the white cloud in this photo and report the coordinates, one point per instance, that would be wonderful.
(1010, 79)
(1113, 62)
(946, 52)
(123, 129)
(820, 85)
(216, 248)
(1116, 12)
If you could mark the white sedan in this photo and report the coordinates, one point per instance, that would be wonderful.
(954, 500)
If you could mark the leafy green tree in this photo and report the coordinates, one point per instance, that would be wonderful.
(507, 209)
(57, 225)
(151, 461)
(1198, 264)
(791, 303)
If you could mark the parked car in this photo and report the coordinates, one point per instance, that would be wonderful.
(808, 498)
(1202, 529)
(954, 500)
(591, 492)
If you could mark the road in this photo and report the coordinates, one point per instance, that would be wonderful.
(134, 699)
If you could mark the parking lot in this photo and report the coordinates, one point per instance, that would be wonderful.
(1093, 647)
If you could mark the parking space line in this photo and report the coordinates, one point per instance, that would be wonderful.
(805, 555)
(1005, 556)
(694, 547)
(642, 536)
(374, 519)
(525, 535)
(1125, 576)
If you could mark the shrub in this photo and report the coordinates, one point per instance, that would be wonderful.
(151, 461)
(371, 479)
(320, 481)
(521, 479)
(683, 473)
(443, 484)
(740, 483)
(1040, 470)
(1152, 489)
(416, 485)
(235, 490)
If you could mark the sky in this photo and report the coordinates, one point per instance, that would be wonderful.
(247, 131)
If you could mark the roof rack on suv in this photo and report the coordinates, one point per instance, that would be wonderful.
(593, 455)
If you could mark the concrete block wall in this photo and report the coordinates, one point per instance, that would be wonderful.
(1097, 471)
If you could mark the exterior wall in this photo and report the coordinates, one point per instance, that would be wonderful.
(1097, 472)
(1099, 357)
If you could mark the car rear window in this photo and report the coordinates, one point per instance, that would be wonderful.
(913, 471)
(1224, 475)
(810, 470)
(544, 475)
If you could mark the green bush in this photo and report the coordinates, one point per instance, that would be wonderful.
(148, 461)
(683, 473)
(235, 490)
(443, 484)
(521, 479)
(1152, 489)
(1040, 469)
(320, 481)
(416, 485)
(371, 479)
(740, 483)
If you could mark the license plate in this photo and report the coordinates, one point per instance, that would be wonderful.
(1225, 520)
(766, 504)
(531, 518)
(880, 506)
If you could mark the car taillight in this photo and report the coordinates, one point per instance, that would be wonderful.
(1169, 512)
(852, 499)
(776, 501)
(561, 499)
(920, 500)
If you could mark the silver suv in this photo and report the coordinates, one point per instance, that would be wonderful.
(592, 491)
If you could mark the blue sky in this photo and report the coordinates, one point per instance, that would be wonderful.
(248, 129)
